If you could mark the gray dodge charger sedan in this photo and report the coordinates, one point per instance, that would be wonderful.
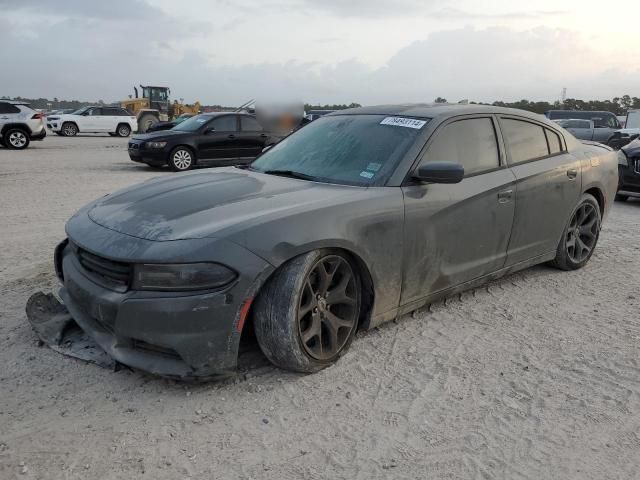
(355, 219)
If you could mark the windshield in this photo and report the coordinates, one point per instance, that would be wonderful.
(345, 149)
(80, 111)
(192, 124)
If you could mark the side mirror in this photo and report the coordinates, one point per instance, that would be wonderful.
(440, 172)
(209, 130)
(266, 148)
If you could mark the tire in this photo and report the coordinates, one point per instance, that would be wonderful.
(69, 129)
(16, 139)
(293, 325)
(145, 121)
(123, 130)
(621, 198)
(580, 236)
(181, 159)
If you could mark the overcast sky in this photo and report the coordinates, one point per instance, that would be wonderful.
(320, 51)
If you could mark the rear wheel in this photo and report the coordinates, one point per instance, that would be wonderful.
(146, 121)
(123, 130)
(580, 236)
(307, 314)
(16, 139)
(181, 159)
(69, 129)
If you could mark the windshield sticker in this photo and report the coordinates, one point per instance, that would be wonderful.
(374, 167)
(366, 174)
(404, 122)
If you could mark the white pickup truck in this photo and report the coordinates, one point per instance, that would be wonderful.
(115, 121)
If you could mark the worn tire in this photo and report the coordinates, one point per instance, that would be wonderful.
(145, 121)
(16, 139)
(621, 198)
(562, 259)
(123, 130)
(69, 129)
(275, 314)
(177, 159)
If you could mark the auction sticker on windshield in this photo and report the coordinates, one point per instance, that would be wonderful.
(403, 122)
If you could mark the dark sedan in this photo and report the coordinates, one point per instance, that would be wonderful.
(628, 171)
(215, 139)
(361, 216)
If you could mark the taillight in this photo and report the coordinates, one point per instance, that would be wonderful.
(38, 116)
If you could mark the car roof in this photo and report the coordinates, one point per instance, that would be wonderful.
(425, 110)
(16, 102)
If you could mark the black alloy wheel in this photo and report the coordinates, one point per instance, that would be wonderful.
(582, 233)
(329, 307)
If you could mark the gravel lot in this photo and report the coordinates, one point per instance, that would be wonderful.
(536, 376)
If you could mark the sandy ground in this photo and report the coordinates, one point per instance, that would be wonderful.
(536, 376)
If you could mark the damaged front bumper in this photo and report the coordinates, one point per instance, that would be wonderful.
(176, 335)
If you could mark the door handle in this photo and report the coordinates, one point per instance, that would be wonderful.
(231, 136)
(263, 135)
(572, 173)
(505, 196)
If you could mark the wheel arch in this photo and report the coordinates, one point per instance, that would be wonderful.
(362, 270)
(21, 126)
(597, 193)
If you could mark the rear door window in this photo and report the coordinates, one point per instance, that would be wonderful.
(526, 141)
(553, 139)
(8, 108)
(471, 143)
(249, 124)
(226, 123)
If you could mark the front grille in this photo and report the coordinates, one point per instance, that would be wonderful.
(113, 272)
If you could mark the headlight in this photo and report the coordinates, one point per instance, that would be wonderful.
(155, 144)
(181, 277)
(622, 158)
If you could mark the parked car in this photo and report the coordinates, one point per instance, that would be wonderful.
(628, 170)
(215, 139)
(19, 124)
(159, 126)
(581, 129)
(605, 123)
(115, 121)
(355, 219)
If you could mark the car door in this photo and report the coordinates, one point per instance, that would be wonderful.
(91, 120)
(251, 139)
(110, 118)
(455, 233)
(8, 113)
(218, 140)
(605, 125)
(582, 129)
(548, 185)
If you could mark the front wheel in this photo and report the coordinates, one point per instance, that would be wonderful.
(69, 129)
(16, 139)
(181, 159)
(580, 236)
(307, 314)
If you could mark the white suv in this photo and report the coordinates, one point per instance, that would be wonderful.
(19, 124)
(111, 120)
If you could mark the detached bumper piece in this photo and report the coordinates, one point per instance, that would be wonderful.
(55, 327)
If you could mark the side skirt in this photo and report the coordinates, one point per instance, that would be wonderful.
(434, 297)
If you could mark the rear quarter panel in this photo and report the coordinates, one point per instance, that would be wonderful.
(600, 170)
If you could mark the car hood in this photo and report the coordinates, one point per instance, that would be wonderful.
(160, 135)
(210, 203)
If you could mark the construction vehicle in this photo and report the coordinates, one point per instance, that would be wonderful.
(154, 106)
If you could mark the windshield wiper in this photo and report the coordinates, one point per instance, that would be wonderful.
(291, 174)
